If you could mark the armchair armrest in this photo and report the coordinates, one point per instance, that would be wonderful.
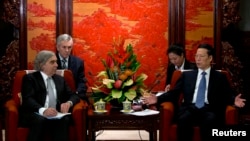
(231, 115)
(167, 108)
(78, 118)
(79, 106)
(11, 119)
(166, 117)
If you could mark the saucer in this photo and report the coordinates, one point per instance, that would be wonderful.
(127, 111)
(100, 111)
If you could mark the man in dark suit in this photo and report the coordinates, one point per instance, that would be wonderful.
(38, 105)
(64, 46)
(208, 112)
(178, 61)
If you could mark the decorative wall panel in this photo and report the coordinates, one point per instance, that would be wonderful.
(199, 27)
(9, 47)
(41, 30)
(144, 24)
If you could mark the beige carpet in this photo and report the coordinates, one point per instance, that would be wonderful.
(116, 135)
(125, 135)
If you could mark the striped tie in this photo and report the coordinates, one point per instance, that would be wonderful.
(64, 61)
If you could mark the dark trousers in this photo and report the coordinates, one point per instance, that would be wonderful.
(57, 129)
(190, 116)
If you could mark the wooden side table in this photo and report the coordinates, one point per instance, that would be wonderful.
(114, 119)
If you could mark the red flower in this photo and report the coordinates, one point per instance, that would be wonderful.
(110, 62)
(119, 79)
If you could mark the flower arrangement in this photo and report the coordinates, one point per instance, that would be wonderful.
(119, 79)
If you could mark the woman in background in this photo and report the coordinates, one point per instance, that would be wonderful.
(178, 61)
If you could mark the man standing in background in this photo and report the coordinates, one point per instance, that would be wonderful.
(64, 46)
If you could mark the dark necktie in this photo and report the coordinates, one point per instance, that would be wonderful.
(52, 99)
(64, 61)
(200, 99)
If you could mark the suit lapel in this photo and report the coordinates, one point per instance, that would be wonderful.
(40, 81)
(210, 85)
(194, 76)
(71, 62)
(193, 79)
(59, 62)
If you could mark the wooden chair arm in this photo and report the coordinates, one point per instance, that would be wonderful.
(168, 107)
(78, 118)
(231, 115)
(11, 119)
(79, 106)
(166, 119)
(77, 111)
(11, 111)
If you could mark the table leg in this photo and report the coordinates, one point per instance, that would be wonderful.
(85, 123)
(90, 131)
(93, 136)
(90, 136)
(1, 135)
(153, 135)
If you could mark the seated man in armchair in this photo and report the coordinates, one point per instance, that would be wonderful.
(206, 93)
(44, 94)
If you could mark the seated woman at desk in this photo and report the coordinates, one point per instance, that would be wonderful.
(178, 61)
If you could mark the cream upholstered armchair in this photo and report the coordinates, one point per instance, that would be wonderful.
(15, 133)
(168, 127)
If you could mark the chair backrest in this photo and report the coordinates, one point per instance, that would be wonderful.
(177, 74)
(17, 83)
(229, 77)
